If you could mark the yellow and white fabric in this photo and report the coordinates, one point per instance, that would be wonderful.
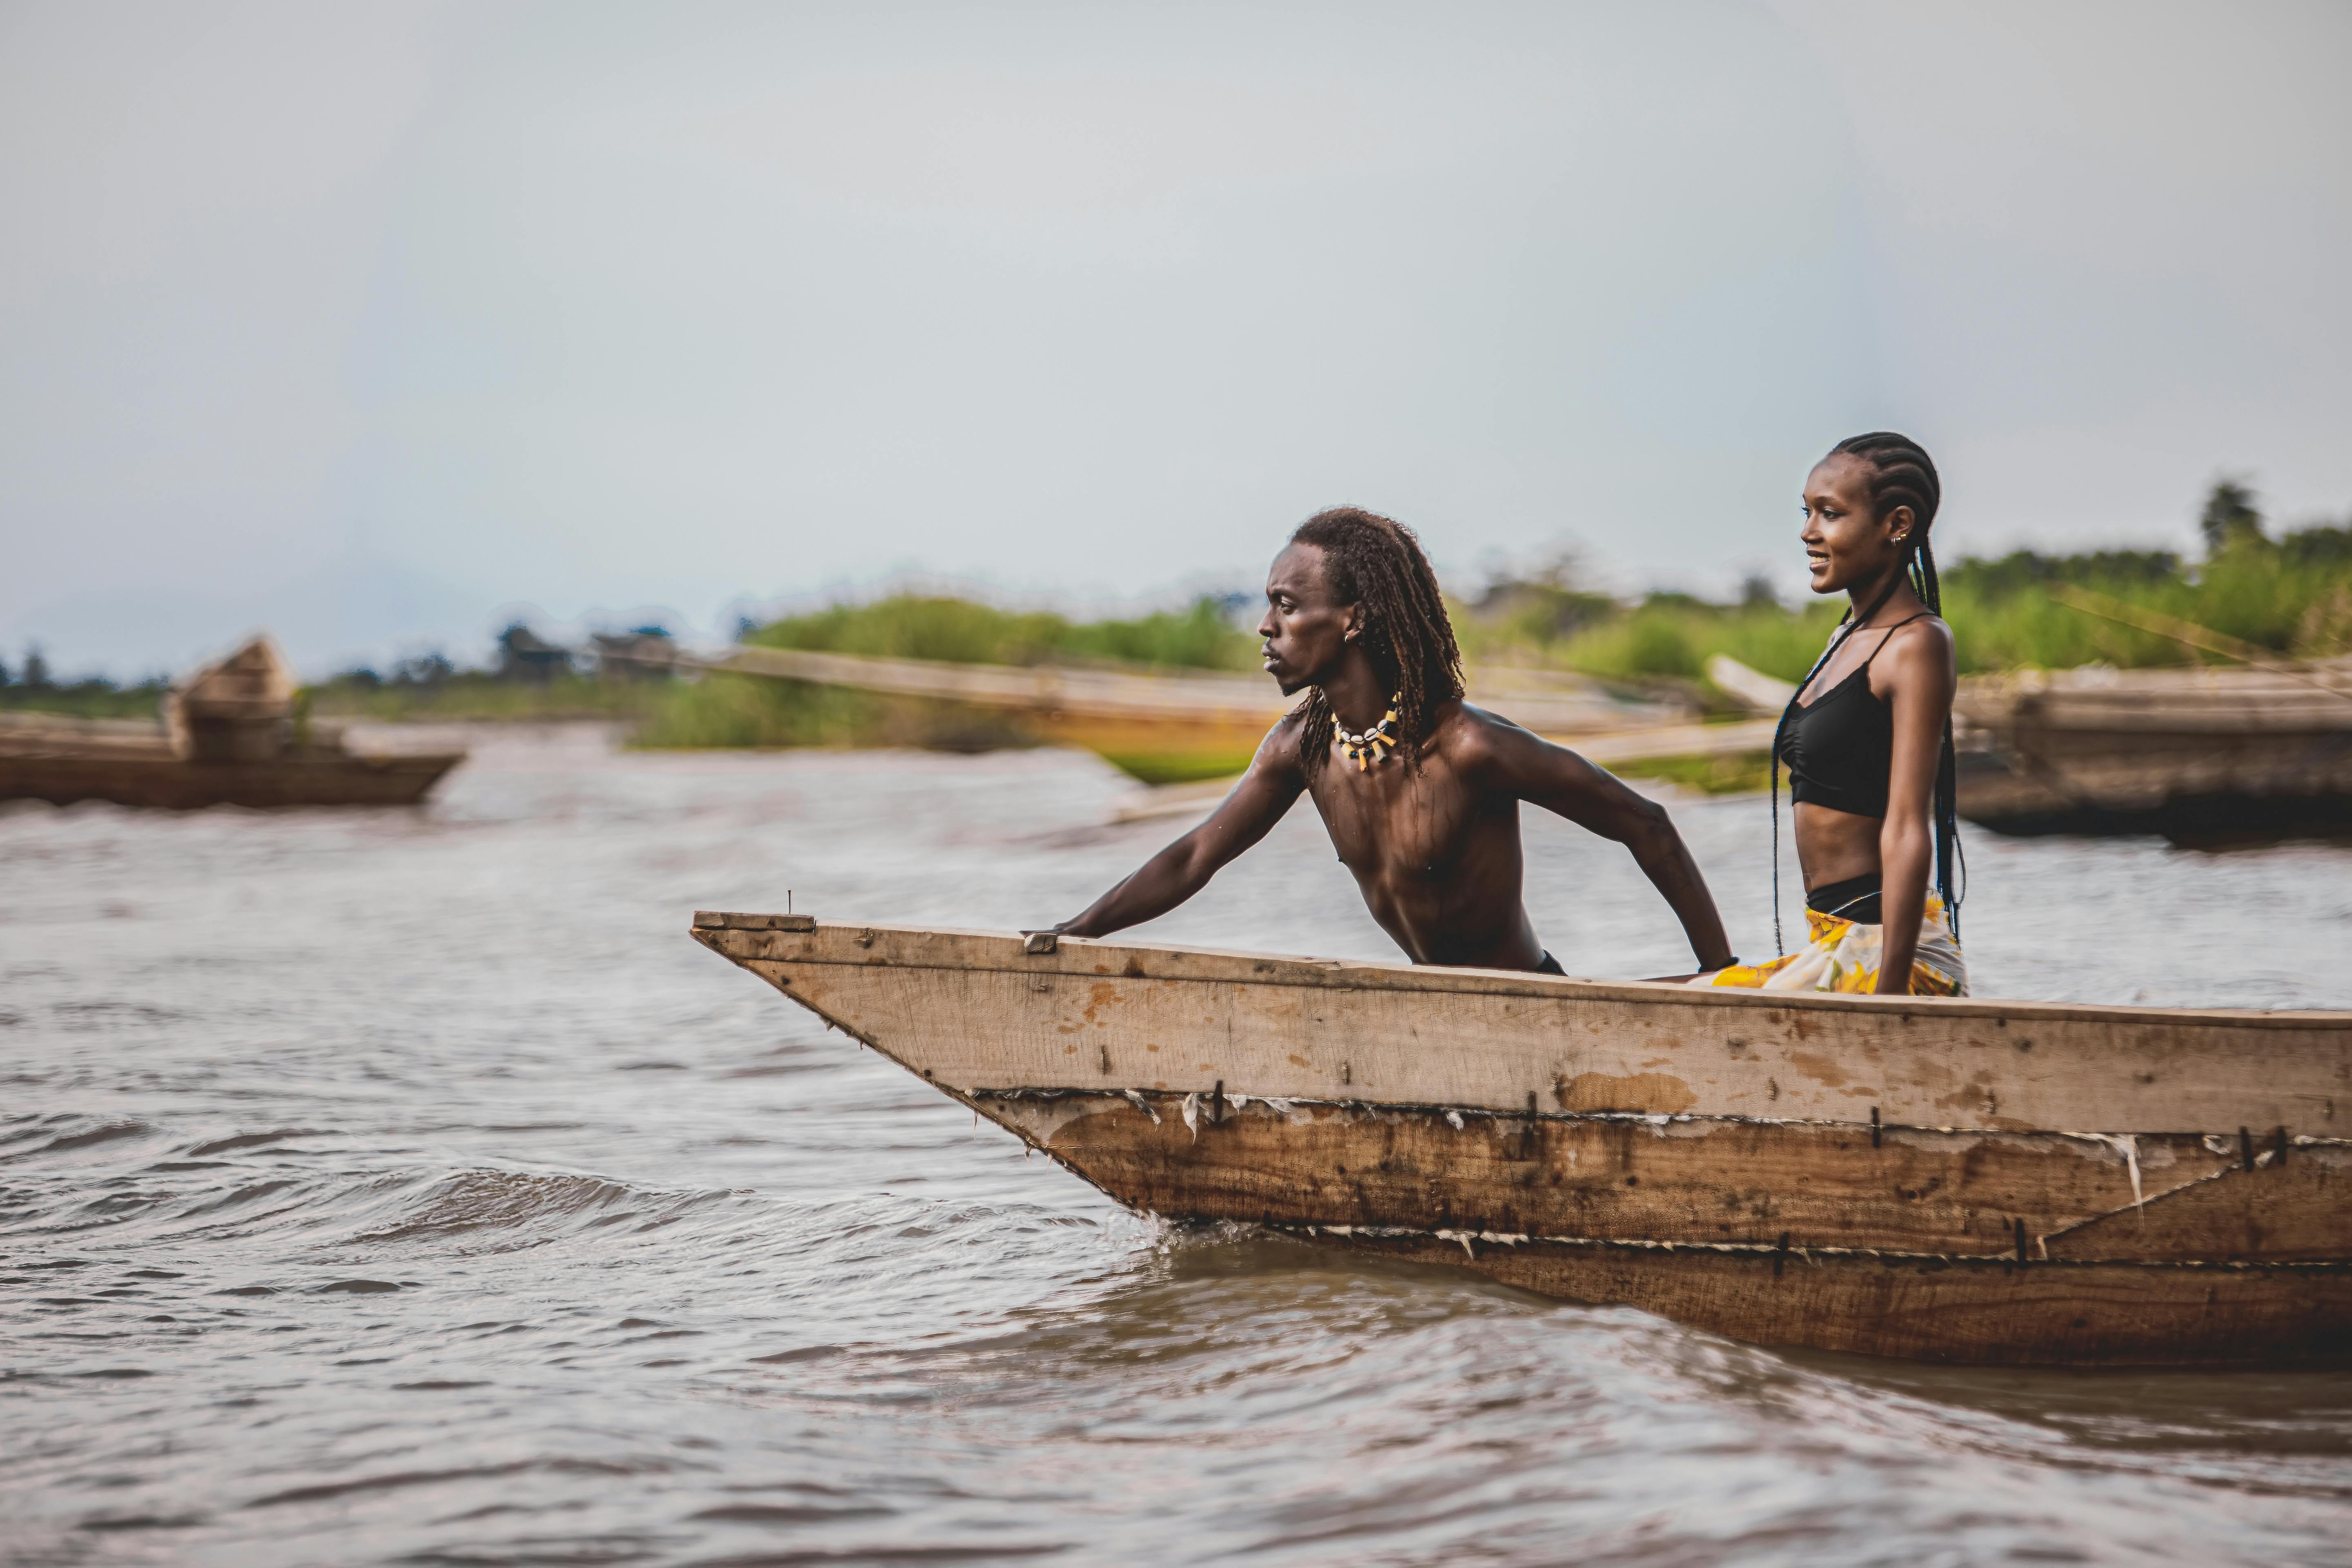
(1843, 956)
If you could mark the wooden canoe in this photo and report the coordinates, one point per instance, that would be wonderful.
(62, 761)
(2198, 755)
(227, 734)
(1958, 1180)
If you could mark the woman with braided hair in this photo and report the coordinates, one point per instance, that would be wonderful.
(1419, 790)
(1867, 739)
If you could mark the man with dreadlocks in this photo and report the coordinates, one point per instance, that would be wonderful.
(1419, 791)
(1870, 755)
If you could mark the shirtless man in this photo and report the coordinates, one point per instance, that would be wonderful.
(1419, 790)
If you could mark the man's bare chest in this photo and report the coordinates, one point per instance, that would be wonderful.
(1401, 828)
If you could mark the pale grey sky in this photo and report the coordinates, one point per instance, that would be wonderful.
(363, 321)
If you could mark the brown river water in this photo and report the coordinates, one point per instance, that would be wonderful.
(407, 1187)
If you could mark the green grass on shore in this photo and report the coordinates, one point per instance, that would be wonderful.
(85, 699)
(2293, 597)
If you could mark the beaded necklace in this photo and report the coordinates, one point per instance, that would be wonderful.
(1374, 745)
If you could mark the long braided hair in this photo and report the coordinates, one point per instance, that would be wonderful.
(1377, 563)
(1901, 474)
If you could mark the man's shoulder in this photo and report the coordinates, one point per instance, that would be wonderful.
(1464, 732)
(1280, 751)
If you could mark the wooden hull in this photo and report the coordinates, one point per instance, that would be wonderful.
(2198, 756)
(324, 778)
(1957, 1180)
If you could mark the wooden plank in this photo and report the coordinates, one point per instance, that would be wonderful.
(1684, 1180)
(972, 1012)
(727, 920)
(2296, 1209)
(1762, 693)
(1674, 741)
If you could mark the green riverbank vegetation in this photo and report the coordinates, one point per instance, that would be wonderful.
(2292, 596)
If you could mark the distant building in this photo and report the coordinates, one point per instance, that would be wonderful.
(525, 656)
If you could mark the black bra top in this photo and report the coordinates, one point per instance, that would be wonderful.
(1839, 747)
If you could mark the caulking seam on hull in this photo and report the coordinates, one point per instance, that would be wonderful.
(1767, 1250)
(2215, 1143)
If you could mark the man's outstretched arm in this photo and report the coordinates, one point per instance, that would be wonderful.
(1564, 783)
(1268, 790)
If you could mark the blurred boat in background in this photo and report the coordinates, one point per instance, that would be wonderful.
(1175, 729)
(232, 733)
(2208, 757)
(2198, 756)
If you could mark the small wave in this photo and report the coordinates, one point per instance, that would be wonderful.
(397, 1480)
(254, 1140)
(525, 1207)
(83, 1018)
(786, 1513)
(106, 1131)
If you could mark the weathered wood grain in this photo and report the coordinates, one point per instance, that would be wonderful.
(969, 1010)
(1979, 1311)
(1961, 1180)
(1634, 1179)
(2294, 1210)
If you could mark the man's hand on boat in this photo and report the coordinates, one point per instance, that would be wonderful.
(1419, 790)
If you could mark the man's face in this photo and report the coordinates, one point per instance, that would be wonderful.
(1305, 627)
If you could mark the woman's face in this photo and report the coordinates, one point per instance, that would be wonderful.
(1845, 542)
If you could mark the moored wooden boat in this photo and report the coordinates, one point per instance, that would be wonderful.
(2197, 755)
(227, 735)
(1957, 1180)
(61, 765)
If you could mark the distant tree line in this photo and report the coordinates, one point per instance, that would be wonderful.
(32, 684)
(523, 658)
(2291, 593)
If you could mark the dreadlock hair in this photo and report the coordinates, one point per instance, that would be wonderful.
(1900, 474)
(1376, 561)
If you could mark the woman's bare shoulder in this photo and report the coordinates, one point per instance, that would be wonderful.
(1930, 637)
(1923, 650)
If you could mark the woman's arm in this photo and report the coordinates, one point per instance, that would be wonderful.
(1919, 676)
(1268, 790)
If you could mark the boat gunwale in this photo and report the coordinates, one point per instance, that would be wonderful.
(1375, 975)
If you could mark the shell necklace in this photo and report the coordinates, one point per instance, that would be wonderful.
(1374, 745)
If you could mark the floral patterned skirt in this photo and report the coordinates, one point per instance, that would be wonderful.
(1843, 956)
